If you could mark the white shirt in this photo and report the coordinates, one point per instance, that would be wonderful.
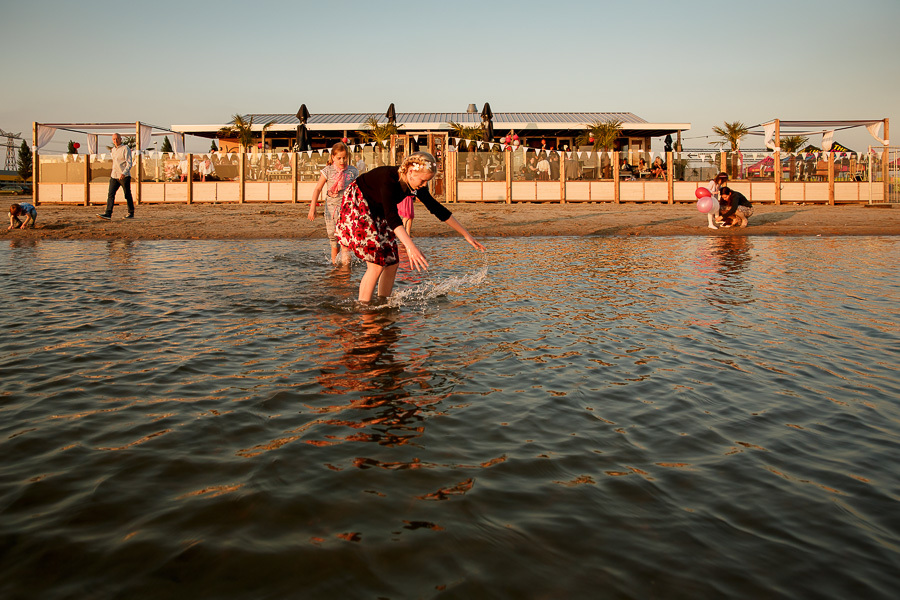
(121, 161)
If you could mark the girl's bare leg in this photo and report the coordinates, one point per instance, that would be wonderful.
(369, 281)
(386, 281)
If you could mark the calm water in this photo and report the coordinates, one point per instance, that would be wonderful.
(560, 418)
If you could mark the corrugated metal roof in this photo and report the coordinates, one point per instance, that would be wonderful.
(521, 122)
(500, 118)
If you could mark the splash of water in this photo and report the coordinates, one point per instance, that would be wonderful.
(422, 293)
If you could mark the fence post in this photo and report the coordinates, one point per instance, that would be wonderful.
(615, 174)
(190, 178)
(562, 177)
(777, 172)
(241, 176)
(451, 161)
(87, 179)
(140, 175)
(507, 158)
(670, 177)
(35, 165)
(831, 178)
(294, 165)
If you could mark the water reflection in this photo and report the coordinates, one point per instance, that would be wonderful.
(370, 373)
(731, 252)
(725, 262)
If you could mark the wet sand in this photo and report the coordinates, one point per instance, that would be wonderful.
(288, 221)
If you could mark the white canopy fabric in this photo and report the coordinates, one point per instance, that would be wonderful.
(824, 128)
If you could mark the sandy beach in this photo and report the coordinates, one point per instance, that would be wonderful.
(289, 221)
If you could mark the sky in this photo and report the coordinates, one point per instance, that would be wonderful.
(685, 61)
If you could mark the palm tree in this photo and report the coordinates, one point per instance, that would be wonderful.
(731, 134)
(791, 144)
(600, 135)
(379, 133)
(472, 134)
(466, 132)
(242, 129)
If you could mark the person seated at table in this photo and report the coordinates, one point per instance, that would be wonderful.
(658, 169)
(625, 171)
(529, 169)
(642, 166)
(734, 208)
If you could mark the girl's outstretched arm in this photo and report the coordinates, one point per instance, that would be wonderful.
(315, 197)
(417, 260)
(452, 222)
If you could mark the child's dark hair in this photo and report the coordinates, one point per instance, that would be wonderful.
(13, 209)
(724, 191)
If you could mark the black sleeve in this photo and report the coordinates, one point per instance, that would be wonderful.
(434, 207)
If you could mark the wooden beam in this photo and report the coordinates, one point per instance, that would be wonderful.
(35, 165)
(615, 166)
(190, 178)
(670, 177)
(777, 171)
(294, 176)
(87, 179)
(831, 178)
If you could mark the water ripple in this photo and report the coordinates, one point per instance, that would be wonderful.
(678, 417)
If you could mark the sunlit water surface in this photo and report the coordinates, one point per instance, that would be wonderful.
(559, 418)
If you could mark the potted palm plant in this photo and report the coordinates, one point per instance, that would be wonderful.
(601, 135)
(731, 134)
(472, 134)
(792, 144)
(379, 133)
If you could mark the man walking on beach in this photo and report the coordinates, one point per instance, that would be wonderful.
(120, 177)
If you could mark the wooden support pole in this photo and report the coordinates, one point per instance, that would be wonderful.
(507, 159)
(241, 173)
(885, 159)
(616, 196)
(87, 179)
(670, 177)
(562, 177)
(35, 166)
(190, 178)
(777, 173)
(295, 163)
(140, 163)
(831, 178)
(777, 165)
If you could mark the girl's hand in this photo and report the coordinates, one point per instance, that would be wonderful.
(312, 214)
(417, 260)
(475, 243)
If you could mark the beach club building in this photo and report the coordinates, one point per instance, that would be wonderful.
(482, 157)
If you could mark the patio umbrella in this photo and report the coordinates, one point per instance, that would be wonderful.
(487, 125)
(391, 114)
(302, 133)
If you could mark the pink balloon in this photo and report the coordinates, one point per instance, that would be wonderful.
(705, 203)
(702, 192)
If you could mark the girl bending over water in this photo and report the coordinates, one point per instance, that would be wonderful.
(369, 224)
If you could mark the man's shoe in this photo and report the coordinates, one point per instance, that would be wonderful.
(129, 216)
(105, 217)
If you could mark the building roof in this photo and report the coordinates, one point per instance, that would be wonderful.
(520, 122)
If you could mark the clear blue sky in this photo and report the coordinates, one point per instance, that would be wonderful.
(697, 61)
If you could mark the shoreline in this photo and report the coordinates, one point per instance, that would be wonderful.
(289, 221)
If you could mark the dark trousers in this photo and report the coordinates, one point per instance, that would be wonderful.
(114, 185)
